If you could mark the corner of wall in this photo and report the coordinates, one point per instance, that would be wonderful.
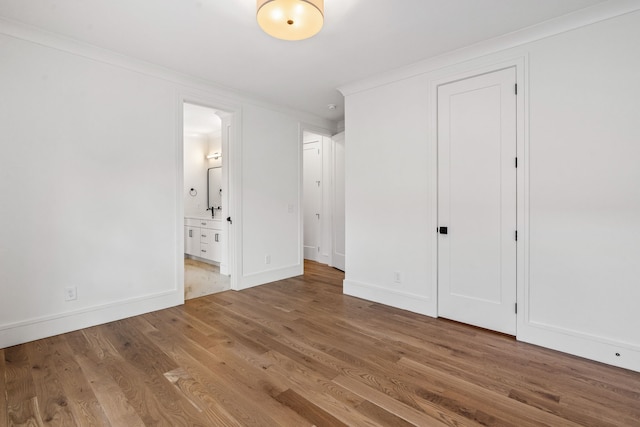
(403, 300)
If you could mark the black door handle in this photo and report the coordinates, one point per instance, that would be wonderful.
(229, 220)
(443, 230)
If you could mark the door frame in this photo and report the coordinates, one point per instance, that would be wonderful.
(334, 253)
(305, 127)
(462, 72)
(232, 162)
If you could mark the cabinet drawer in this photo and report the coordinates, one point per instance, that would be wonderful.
(207, 236)
(206, 251)
(205, 223)
(198, 222)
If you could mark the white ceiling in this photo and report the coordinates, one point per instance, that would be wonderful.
(200, 120)
(220, 41)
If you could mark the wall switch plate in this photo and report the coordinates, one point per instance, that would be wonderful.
(267, 259)
(70, 293)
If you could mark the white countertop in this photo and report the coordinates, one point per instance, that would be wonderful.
(202, 217)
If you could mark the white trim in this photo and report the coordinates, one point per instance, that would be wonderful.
(179, 236)
(233, 162)
(228, 130)
(268, 276)
(59, 42)
(300, 206)
(577, 334)
(569, 341)
(47, 326)
(308, 127)
(395, 298)
(467, 70)
(561, 24)
(583, 345)
(340, 135)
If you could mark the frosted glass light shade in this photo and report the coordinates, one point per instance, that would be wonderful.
(290, 19)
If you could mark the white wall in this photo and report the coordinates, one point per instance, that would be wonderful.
(89, 191)
(270, 181)
(387, 195)
(91, 180)
(582, 239)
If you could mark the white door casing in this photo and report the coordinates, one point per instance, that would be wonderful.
(477, 200)
(338, 247)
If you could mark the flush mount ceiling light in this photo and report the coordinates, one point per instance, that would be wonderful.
(290, 19)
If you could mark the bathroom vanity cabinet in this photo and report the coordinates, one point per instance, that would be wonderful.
(203, 238)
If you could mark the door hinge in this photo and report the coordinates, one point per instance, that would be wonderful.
(516, 235)
(516, 163)
(516, 308)
(516, 88)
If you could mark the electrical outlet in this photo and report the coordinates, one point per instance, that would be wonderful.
(396, 277)
(267, 259)
(70, 293)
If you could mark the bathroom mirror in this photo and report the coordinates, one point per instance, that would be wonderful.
(214, 191)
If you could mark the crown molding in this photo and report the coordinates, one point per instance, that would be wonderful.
(39, 36)
(552, 27)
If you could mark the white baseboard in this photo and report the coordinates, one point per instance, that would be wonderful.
(403, 300)
(43, 327)
(268, 276)
(622, 355)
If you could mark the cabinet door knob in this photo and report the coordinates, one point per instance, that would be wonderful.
(203, 223)
(217, 237)
(190, 233)
(202, 250)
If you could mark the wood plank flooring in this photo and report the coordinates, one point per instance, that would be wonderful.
(299, 353)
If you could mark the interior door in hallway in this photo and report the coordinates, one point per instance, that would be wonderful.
(477, 200)
(312, 198)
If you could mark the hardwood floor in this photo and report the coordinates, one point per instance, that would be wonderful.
(299, 353)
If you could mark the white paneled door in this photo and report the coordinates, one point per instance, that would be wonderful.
(312, 198)
(477, 200)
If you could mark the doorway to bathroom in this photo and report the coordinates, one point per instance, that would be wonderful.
(206, 133)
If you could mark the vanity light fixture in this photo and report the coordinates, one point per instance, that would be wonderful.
(290, 19)
(214, 156)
